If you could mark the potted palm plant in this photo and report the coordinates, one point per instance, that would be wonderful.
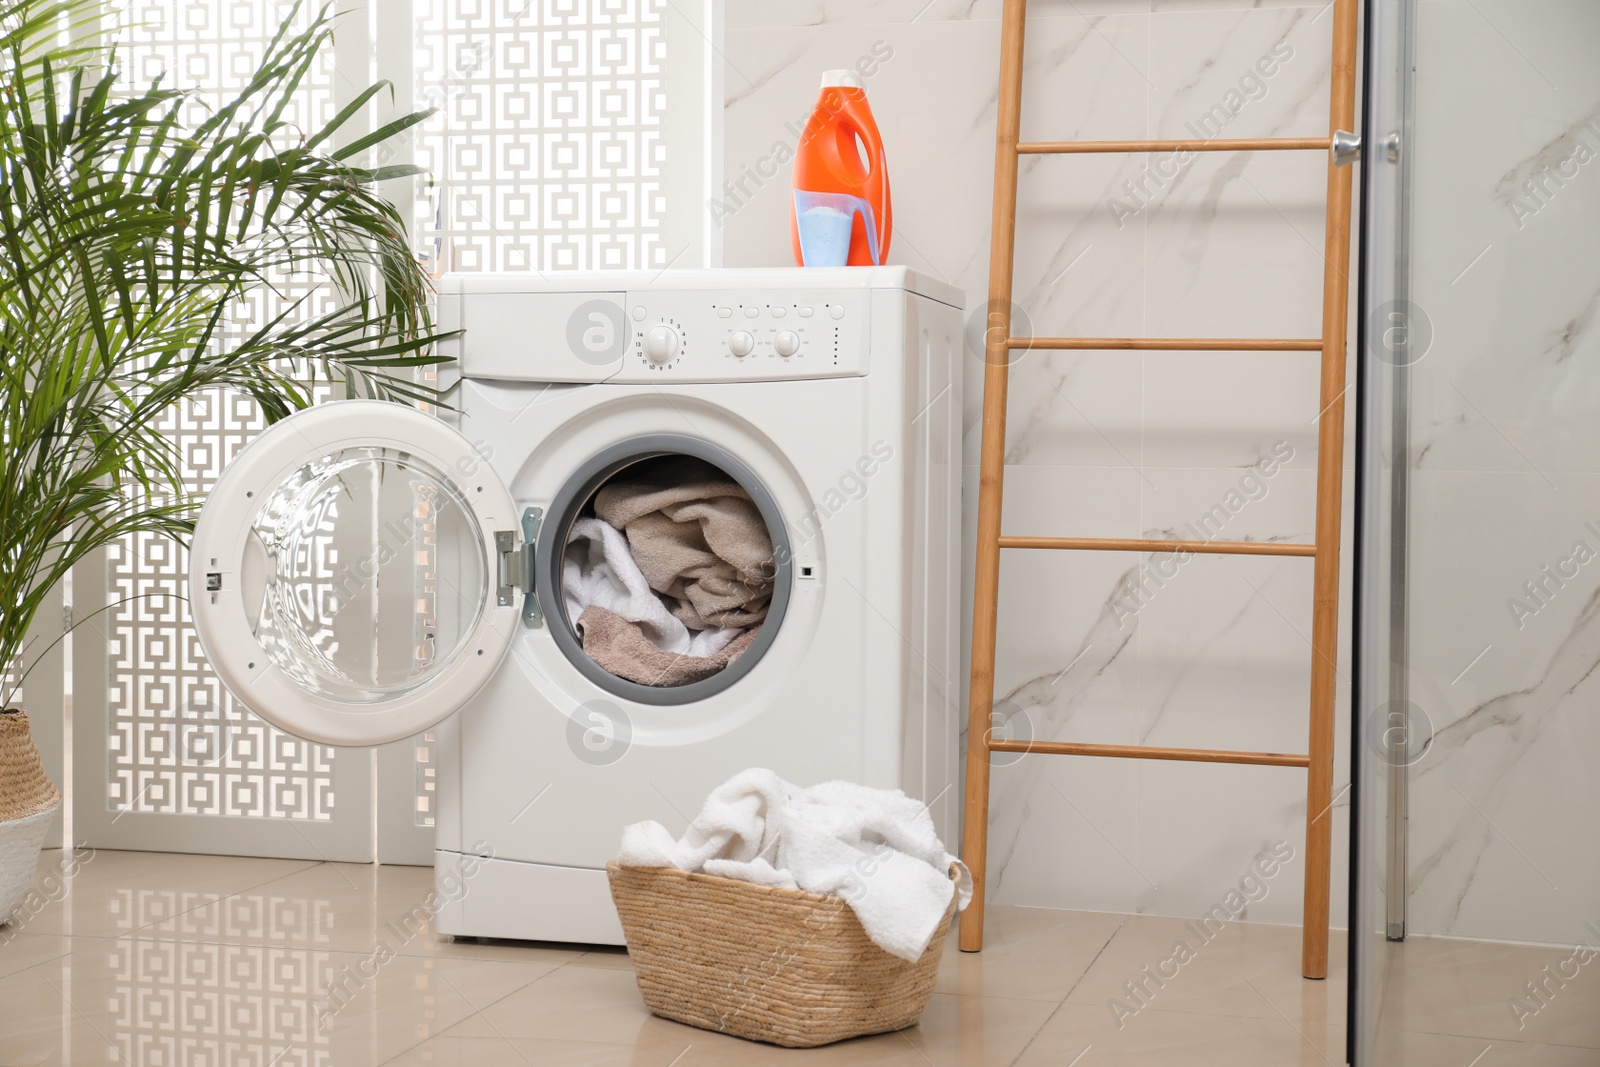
(127, 236)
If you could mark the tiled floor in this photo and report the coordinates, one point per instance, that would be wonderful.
(1448, 1003)
(172, 960)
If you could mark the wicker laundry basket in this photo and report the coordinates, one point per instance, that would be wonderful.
(776, 965)
(28, 800)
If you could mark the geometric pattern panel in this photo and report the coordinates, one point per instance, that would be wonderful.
(214, 46)
(425, 778)
(546, 150)
(179, 743)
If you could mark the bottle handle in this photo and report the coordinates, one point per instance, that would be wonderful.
(860, 126)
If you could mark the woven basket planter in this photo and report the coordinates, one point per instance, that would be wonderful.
(27, 802)
(776, 965)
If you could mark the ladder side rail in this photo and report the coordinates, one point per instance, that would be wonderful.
(1330, 474)
(991, 471)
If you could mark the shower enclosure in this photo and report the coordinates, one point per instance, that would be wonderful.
(1477, 874)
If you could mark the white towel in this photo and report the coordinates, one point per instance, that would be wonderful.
(599, 569)
(875, 848)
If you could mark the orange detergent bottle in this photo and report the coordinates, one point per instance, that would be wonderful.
(841, 183)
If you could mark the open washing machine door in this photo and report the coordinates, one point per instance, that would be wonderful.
(355, 573)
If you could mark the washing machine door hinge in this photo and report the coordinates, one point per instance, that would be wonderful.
(532, 618)
(515, 569)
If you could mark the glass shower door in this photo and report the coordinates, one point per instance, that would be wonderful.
(1478, 855)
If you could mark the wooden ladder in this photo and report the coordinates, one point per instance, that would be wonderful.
(999, 344)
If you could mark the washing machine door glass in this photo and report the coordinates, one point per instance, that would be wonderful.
(354, 573)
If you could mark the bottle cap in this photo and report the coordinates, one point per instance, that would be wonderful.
(847, 79)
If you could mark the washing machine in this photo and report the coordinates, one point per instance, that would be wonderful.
(364, 571)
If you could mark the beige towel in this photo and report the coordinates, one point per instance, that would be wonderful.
(697, 537)
(622, 648)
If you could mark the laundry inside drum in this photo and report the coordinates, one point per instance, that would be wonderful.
(669, 572)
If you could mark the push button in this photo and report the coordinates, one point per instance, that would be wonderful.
(836, 310)
(751, 312)
(806, 313)
(724, 313)
(779, 311)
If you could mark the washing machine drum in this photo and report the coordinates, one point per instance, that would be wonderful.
(358, 572)
(664, 568)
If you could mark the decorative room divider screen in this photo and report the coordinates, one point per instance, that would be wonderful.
(546, 152)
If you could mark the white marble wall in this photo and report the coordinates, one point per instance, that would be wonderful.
(1507, 408)
(1110, 443)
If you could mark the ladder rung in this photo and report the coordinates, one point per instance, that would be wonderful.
(1149, 544)
(1172, 344)
(1193, 755)
(1237, 144)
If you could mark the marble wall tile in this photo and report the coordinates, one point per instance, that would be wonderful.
(1227, 409)
(1065, 835)
(1508, 691)
(1504, 238)
(1201, 828)
(1217, 5)
(742, 14)
(1079, 409)
(1260, 273)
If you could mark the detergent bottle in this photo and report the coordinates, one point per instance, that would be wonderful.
(840, 212)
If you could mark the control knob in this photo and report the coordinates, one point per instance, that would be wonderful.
(787, 343)
(660, 344)
(741, 343)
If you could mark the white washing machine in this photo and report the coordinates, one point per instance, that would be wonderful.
(364, 571)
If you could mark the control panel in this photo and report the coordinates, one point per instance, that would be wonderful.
(720, 335)
(704, 334)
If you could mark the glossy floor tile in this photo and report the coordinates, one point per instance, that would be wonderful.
(1499, 993)
(146, 959)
